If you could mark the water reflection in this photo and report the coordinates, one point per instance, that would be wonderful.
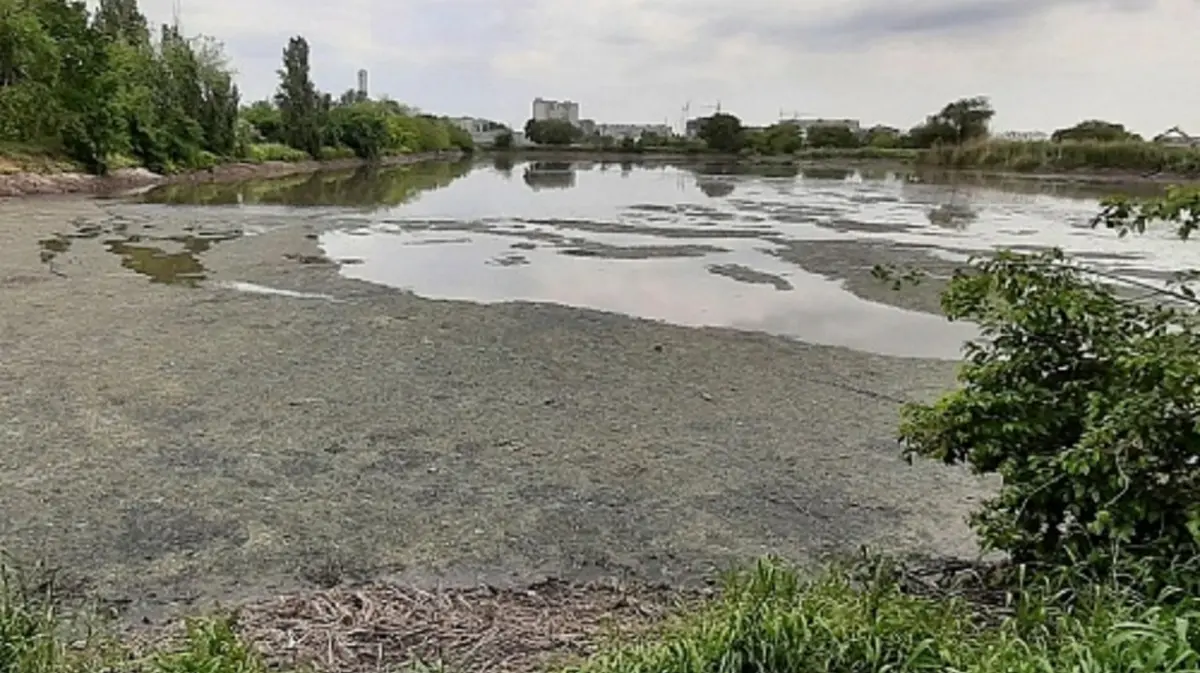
(716, 188)
(368, 186)
(503, 164)
(181, 267)
(549, 175)
(827, 173)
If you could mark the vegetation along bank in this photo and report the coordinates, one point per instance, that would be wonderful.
(956, 137)
(102, 92)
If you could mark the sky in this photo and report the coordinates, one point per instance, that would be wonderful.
(1044, 64)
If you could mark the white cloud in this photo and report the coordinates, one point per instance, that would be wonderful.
(1045, 63)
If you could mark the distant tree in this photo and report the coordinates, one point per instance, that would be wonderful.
(968, 118)
(503, 141)
(351, 96)
(298, 100)
(883, 138)
(962, 121)
(552, 132)
(781, 138)
(1094, 130)
(831, 136)
(266, 120)
(723, 132)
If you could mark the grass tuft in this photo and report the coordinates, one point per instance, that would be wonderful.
(771, 620)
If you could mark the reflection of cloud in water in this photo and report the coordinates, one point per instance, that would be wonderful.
(679, 291)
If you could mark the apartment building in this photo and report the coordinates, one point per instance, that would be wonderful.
(635, 131)
(561, 110)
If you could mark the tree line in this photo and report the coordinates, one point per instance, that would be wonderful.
(957, 123)
(106, 89)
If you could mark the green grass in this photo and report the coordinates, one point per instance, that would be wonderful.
(1132, 156)
(871, 617)
(262, 152)
(860, 153)
(34, 158)
(769, 620)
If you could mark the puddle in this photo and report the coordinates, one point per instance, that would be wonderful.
(160, 266)
(742, 288)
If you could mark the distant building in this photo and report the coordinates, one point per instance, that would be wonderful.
(1175, 137)
(635, 131)
(362, 83)
(564, 110)
(483, 131)
(692, 128)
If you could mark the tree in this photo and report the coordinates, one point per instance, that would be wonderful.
(503, 141)
(552, 132)
(266, 119)
(962, 121)
(723, 132)
(831, 136)
(122, 20)
(298, 99)
(1094, 130)
(781, 138)
(968, 117)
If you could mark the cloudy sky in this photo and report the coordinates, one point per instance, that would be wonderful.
(1044, 63)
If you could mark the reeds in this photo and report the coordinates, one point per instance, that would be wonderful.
(1044, 156)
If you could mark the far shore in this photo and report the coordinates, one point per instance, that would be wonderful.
(898, 158)
(49, 183)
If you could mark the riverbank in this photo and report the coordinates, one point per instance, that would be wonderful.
(63, 178)
(1110, 162)
(602, 155)
(1090, 163)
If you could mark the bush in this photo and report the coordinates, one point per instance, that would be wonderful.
(336, 153)
(261, 152)
(1084, 402)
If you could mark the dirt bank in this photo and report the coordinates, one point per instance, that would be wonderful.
(122, 180)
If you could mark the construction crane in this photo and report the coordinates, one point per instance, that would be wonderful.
(792, 114)
(715, 108)
(683, 117)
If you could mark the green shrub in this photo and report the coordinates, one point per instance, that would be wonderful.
(336, 153)
(261, 152)
(1083, 401)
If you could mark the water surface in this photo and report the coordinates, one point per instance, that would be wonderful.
(701, 245)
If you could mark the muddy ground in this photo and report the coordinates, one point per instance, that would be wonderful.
(174, 444)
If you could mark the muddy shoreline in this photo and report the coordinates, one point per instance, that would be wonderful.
(124, 180)
(191, 444)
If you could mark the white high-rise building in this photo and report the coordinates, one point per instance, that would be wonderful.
(564, 110)
(362, 82)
